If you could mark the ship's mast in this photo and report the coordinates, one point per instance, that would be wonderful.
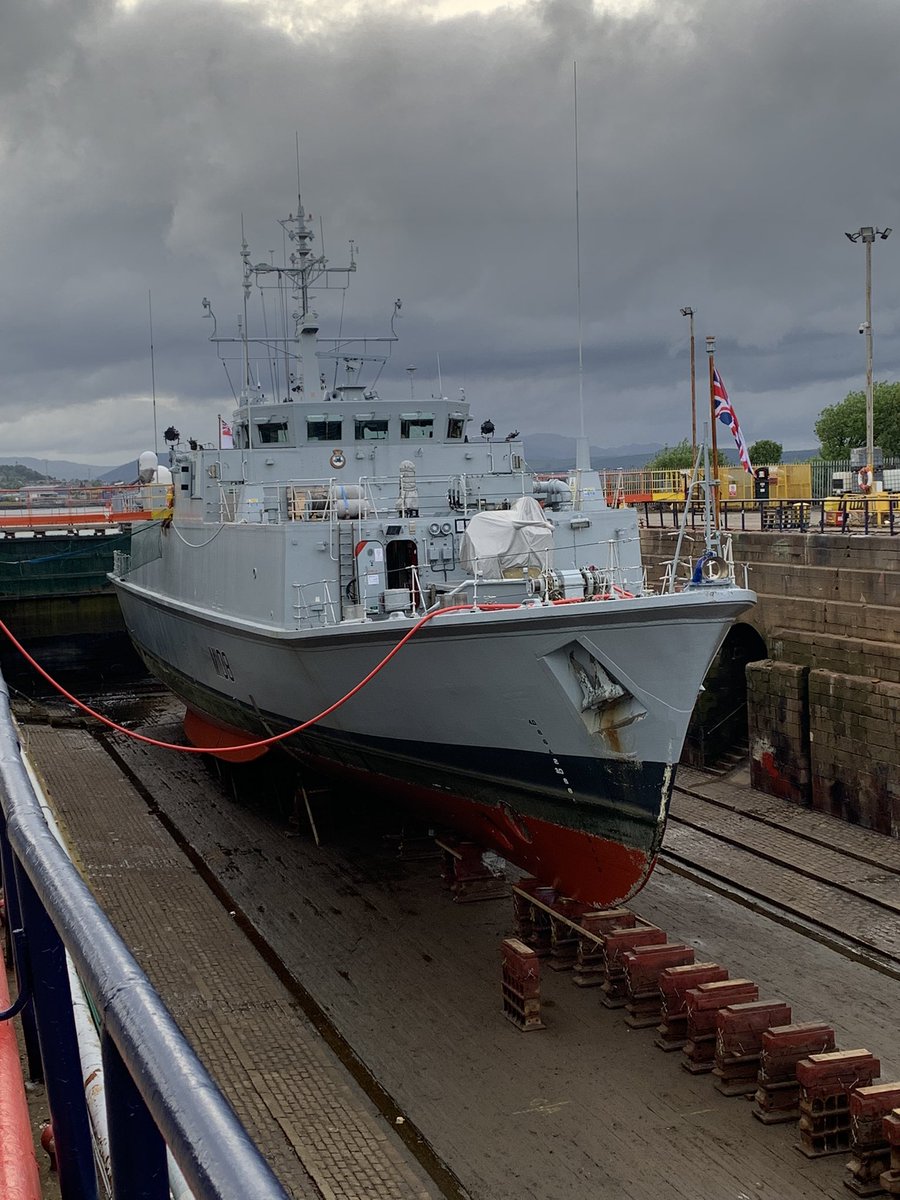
(582, 448)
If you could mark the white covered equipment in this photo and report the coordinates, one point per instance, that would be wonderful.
(502, 544)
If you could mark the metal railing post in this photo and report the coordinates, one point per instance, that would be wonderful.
(137, 1152)
(59, 1047)
(16, 933)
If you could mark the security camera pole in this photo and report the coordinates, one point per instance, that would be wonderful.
(714, 471)
(689, 312)
(867, 235)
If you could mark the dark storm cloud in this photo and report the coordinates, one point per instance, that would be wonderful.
(724, 149)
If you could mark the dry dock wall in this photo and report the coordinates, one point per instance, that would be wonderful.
(824, 704)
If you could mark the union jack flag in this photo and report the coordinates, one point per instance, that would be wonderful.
(726, 414)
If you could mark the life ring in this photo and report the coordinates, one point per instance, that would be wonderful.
(338, 459)
(864, 479)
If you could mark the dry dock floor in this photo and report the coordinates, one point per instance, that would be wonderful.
(583, 1109)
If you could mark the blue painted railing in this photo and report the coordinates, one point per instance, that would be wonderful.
(158, 1093)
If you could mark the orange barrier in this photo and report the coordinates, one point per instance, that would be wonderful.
(19, 1179)
(85, 508)
(58, 520)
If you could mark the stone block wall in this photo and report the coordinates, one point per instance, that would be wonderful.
(824, 708)
(778, 728)
(855, 749)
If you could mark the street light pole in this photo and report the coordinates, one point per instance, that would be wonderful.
(689, 312)
(867, 235)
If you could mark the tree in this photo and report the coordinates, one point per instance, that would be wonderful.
(842, 427)
(673, 458)
(766, 452)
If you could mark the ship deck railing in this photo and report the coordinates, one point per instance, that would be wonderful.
(334, 498)
(158, 1094)
(314, 605)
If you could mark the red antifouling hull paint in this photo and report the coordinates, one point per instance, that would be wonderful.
(204, 731)
(581, 865)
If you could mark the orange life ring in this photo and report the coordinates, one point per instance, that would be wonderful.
(864, 479)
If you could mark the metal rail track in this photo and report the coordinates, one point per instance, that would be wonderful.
(857, 917)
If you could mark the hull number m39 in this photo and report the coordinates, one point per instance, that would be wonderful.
(220, 663)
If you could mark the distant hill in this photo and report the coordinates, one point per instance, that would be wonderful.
(62, 469)
(16, 475)
(544, 452)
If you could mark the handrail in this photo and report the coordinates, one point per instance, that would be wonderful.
(878, 511)
(155, 1074)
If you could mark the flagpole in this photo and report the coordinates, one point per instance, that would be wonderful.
(219, 422)
(711, 353)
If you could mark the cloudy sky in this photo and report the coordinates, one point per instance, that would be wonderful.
(724, 150)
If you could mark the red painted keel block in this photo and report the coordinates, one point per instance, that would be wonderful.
(616, 944)
(705, 1000)
(588, 969)
(521, 984)
(870, 1152)
(890, 1179)
(564, 934)
(703, 1003)
(782, 1047)
(674, 984)
(643, 967)
(523, 910)
(739, 1027)
(868, 1108)
(826, 1081)
(835, 1073)
(465, 874)
(739, 1030)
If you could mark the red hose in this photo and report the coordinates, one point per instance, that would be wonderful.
(269, 741)
(277, 737)
(19, 1179)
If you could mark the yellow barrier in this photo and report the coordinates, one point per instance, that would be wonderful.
(878, 506)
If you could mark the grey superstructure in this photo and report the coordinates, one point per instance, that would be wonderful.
(541, 701)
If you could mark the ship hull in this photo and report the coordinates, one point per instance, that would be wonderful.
(547, 734)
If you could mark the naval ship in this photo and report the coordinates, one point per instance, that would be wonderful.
(391, 591)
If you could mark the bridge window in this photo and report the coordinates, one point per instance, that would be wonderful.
(416, 427)
(370, 429)
(455, 427)
(322, 429)
(271, 432)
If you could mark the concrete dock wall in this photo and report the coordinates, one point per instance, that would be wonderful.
(824, 704)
